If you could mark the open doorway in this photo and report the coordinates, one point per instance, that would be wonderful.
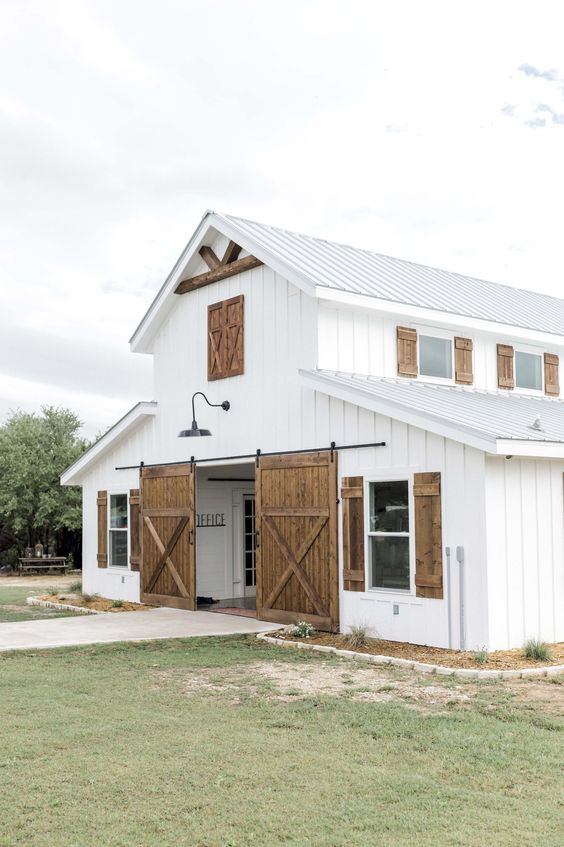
(226, 539)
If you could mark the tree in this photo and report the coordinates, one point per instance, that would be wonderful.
(34, 507)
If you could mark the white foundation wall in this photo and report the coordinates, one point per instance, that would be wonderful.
(525, 538)
(410, 450)
(363, 341)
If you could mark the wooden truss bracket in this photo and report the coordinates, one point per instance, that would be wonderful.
(219, 269)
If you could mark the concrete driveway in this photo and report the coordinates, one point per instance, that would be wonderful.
(147, 625)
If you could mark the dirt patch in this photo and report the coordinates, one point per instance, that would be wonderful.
(98, 604)
(497, 661)
(54, 580)
(283, 682)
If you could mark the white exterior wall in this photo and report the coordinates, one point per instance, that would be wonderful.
(410, 450)
(362, 341)
(525, 539)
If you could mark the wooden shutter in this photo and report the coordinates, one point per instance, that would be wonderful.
(428, 535)
(463, 360)
(352, 494)
(407, 351)
(134, 529)
(505, 377)
(102, 503)
(551, 380)
(226, 343)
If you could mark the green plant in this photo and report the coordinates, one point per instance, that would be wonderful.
(75, 587)
(481, 656)
(357, 635)
(302, 629)
(117, 604)
(537, 650)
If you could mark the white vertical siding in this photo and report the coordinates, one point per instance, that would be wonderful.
(525, 540)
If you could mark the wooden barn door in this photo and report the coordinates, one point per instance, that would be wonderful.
(296, 557)
(168, 557)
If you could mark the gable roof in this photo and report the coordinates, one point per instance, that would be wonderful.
(497, 422)
(319, 266)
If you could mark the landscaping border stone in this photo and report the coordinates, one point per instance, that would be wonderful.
(463, 673)
(66, 607)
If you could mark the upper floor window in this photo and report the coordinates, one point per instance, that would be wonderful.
(435, 356)
(226, 343)
(528, 371)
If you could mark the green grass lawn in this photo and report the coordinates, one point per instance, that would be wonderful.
(192, 742)
(13, 606)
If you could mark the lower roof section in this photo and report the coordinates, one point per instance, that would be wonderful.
(500, 423)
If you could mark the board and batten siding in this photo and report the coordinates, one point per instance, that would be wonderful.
(410, 450)
(525, 538)
(362, 341)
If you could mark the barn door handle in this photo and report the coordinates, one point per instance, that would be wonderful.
(257, 538)
(191, 537)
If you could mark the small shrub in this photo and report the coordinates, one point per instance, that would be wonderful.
(88, 598)
(357, 635)
(117, 604)
(75, 587)
(537, 650)
(302, 629)
(481, 657)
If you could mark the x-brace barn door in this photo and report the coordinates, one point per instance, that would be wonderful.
(168, 550)
(296, 558)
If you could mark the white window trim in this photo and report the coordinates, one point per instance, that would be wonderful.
(111, 567)
(390, 477)
(434, 332)
(533, 351)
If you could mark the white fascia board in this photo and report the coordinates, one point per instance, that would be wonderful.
(533, 449)
(141, 339)
(433, 316)
(71, 476)
(365, 399)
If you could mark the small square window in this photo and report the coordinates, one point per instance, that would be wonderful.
(528, 371)
(435, 356)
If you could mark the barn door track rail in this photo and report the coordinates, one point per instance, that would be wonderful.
(256, 455)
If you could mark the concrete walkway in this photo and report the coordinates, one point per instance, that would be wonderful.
(148, 625)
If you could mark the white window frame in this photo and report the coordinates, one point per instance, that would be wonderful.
(118, 568)
(533, 351)
(447, 335)
(389, 477)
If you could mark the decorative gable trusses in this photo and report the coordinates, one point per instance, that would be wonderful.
(219, 269)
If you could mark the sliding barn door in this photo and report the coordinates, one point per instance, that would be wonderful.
(168, 554)
(296, 559)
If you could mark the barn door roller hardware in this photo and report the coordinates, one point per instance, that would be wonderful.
(194, 429)
(333, 447)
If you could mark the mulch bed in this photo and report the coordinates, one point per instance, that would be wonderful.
(99, 604)
(499, 660)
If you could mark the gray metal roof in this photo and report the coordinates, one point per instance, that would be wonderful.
(351, 269)
(487, 414)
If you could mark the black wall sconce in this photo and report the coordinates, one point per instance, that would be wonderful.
(194, 429)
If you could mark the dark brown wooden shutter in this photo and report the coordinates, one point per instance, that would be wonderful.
(102, 503)
(428, 535)
(226, 342)
(352, 494)
(463, 360)
(134, 529)
(505, 377)
(551, 380)
(407, 351)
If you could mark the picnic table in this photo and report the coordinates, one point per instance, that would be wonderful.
(28, 563)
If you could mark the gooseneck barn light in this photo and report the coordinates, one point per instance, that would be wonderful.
(194, 429)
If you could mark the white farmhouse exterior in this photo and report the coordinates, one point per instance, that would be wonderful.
(449, 533)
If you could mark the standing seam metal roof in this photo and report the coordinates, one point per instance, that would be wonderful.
(488, 414)
(351, 269)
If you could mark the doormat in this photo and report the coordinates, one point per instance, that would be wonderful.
(235, 610)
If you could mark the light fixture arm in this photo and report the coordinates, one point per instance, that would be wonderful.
(226, 405)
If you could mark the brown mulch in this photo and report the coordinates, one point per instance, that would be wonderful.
(499, 660)
(99, 604)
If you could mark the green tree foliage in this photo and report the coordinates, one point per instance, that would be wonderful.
(34, 507)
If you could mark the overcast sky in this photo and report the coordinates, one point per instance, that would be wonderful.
(432, 131)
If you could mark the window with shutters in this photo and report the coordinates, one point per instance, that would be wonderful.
(435, 355)
(389, 535)
(226, 341)
(528, 370)
(117, 531)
